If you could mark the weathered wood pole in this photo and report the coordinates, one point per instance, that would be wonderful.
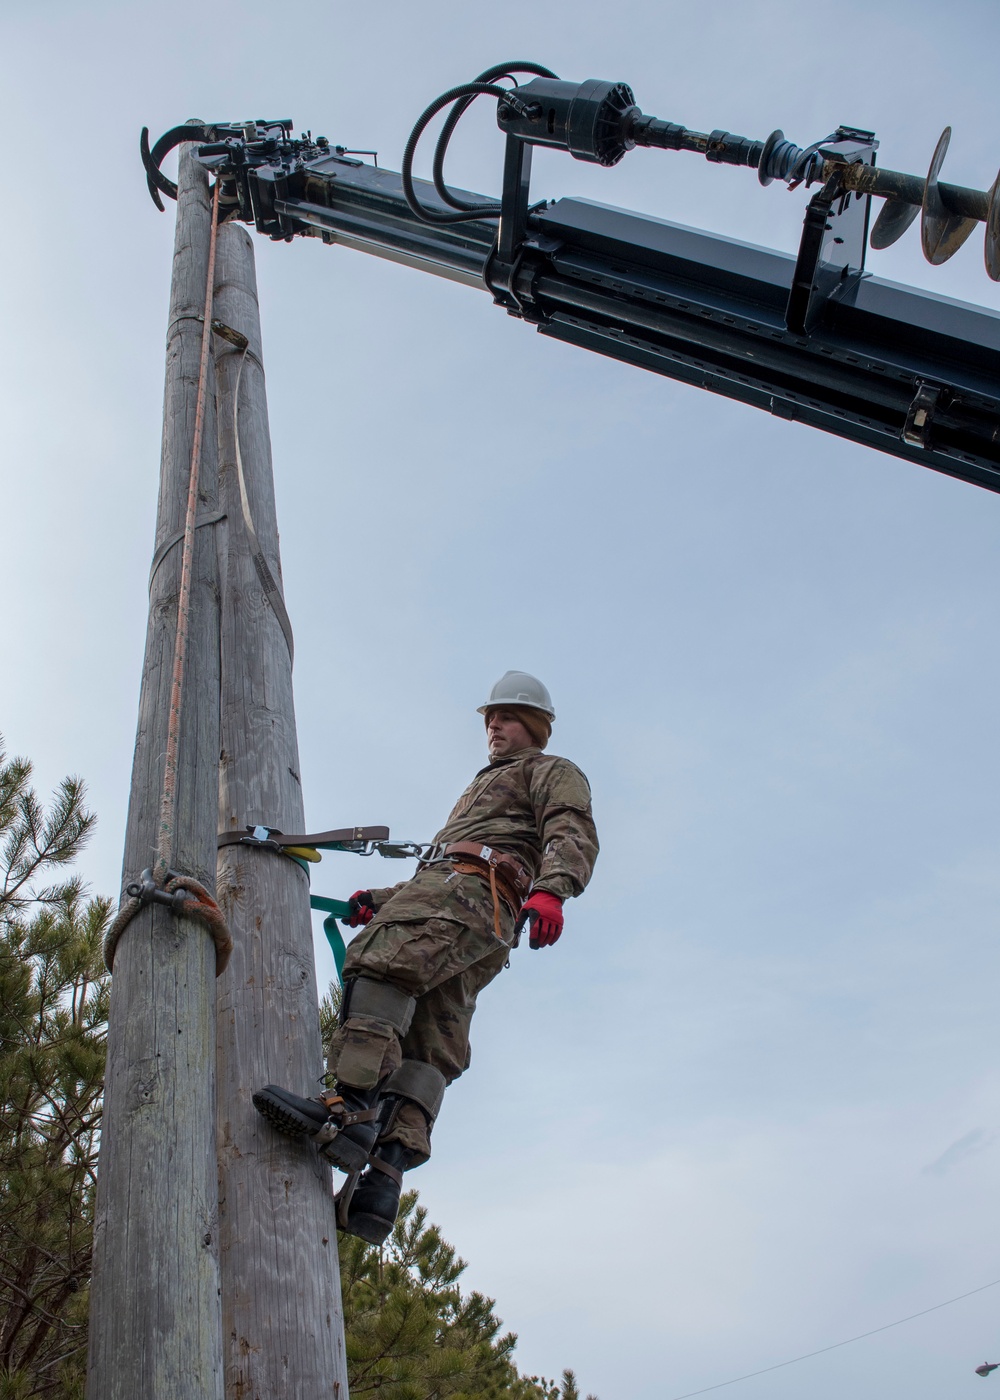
(281, 1305)
(155, 1328)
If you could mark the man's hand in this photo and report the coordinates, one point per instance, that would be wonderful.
(362, 908)
(546, 915)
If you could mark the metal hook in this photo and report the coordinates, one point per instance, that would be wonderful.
(152, 159)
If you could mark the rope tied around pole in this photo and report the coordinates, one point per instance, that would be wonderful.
(183, 894)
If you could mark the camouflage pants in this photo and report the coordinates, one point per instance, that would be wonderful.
(435, 940)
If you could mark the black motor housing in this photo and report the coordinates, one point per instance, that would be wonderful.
(592, 120)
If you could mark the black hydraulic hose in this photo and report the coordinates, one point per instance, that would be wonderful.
(432, 216)
(491, 75)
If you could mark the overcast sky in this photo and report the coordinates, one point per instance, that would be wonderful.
(750, 1105)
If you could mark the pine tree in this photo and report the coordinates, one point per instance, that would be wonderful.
(413, 1335)
(53, 1011)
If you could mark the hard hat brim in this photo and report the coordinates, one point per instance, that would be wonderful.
(514, 705)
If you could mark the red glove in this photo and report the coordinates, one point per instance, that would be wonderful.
(362, 908)
(546, 915)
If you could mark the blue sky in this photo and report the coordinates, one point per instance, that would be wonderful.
(750, 1104)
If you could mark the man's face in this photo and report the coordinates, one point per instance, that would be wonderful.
(505, 734)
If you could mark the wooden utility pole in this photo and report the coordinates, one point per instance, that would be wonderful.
(282, 1314)
(155, 1327)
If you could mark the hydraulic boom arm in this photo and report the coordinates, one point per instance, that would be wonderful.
(812, 337)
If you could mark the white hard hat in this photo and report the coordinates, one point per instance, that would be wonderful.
(518, 688)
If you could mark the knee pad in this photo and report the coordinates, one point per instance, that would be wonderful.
(421, 1083)
(373, 1020)
(380, 1001)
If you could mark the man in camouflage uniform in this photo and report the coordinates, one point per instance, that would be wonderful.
(519, 841)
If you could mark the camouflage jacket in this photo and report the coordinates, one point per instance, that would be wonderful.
(531, 805)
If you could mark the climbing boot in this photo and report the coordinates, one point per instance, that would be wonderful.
(344, 1124)
(370, 1210)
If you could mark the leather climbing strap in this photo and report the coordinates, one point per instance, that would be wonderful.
(467, 867)
(273, 839)
(341, 1117)
(496, 901)
(393, 1173)
(342, 1200)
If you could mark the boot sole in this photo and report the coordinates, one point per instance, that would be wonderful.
(373, 1229)
(283, 1116)
(271, 1104)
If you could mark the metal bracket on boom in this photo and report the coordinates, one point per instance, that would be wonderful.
(835, 231)
(511, 267)
(920, 415)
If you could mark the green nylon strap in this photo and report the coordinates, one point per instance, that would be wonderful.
(335, 909)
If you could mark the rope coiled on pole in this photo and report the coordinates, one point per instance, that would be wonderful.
(187, 897)
(183, 894)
